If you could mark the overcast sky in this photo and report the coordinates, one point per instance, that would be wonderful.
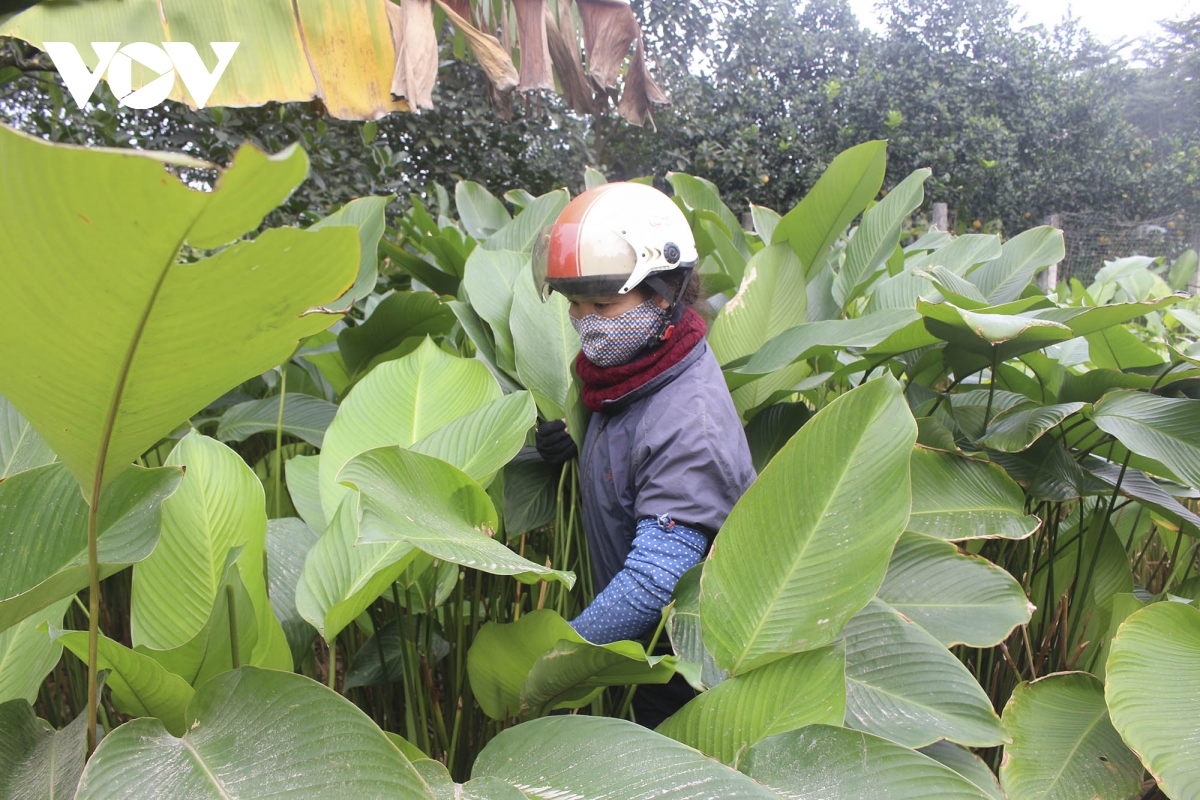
(1108, 19)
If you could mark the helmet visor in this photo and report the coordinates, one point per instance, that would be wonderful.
(541, 262)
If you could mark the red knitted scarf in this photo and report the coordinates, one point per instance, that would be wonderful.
(610, 383)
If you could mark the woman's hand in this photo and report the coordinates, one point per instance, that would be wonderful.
(554, 442)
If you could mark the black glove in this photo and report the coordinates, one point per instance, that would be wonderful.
(554, 444)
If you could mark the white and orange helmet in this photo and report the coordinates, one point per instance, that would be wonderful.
(612, 238)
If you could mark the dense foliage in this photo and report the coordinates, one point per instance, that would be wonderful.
(974, 526)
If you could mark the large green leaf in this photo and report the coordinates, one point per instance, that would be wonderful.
(484, 440)
(702, 195)
(219, 506)
(606, 759)
(20, 446)
(686, 634)
(546, 345)
(1085, 320)
(820, 762)
(1018, 428)
(771, 299)
(875, 240)
(956, 257)
(802, 689)
(399, 403)
(959, 498)
(520, 234)
(1161, 428)
(530, 492)
(842, 192)
(45, 551)
(142, 342)
(342, 576)
(513, 667)
(807, 545)
(967, 764)
(254, 733)
(1153, 692)
(999, 336)
(904, 685)
(958, 599)
(140, 686)
(489, 280)
(304, 416)
(481, 213)
(435, 507)
(1138, 486)
(366, 215)
(288, 543)
(1022, 257)
(27, 653)
(399, 317)
(1063, 745)
(303, 483)
(36, 761)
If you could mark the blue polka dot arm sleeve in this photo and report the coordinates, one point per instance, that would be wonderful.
(632, 603)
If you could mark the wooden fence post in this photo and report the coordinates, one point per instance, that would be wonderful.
(941, 217)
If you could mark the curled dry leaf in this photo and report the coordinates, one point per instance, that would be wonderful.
(416, 51)
(564, 52)
(535, 51)
(492, 56)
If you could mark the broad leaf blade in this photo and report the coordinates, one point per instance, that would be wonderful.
(958, 498)
(37, 762)
(1160, 428)
(807, 545)
(27, 653)
(304, 417)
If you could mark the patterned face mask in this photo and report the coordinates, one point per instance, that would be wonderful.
(609, 341)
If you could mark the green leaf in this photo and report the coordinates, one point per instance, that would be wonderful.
(36, 761)
(433, 506)
(821, 761)
(1182, 270)
(959, 291)
(787, 572)
(765, 221)
(20, 446)
(1021, 257)
(802, 689)
(958, 599)
(769, 430)
(365, 214)
(958, 498)
(27, 654)
(303, 483)
(342, 576)
(371, 668)
(852, 180)
(546, 346)
(956, 256)
(254, 733)
(1119, 349)
(1016, 429)
(1138, 486)
(998, 336)
(703, 195)
(219, 506)
(142, 342)
(1063, 744)
(399, 317)
(480, 212)
(1160, 428)
(481, 442)
(772, 298)
(288, 543)
(1153, 693)
(539, 661)
(210, 651)
(520, 234)
(876, 237)
(399, 403)
(593, 177)
(904, 685)
(1085, 320)
(815, 338)
(530, 493)
(583, 756)
(965, 763)
(684, 631)
(304, 416)
(490, 278)
(140, 686)
(45, 519)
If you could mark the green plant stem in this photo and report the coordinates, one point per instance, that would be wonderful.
(331, 679)
(234, 642)
(987, 413)
(93, 617)
(276, 469)
(1087, 583)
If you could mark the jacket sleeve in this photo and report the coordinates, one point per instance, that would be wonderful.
(632, 603)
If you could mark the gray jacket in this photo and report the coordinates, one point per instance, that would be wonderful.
(672, 446)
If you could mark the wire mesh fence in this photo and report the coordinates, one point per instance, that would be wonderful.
(1091, 238)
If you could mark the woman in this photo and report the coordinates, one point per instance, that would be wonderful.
(665, 458)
